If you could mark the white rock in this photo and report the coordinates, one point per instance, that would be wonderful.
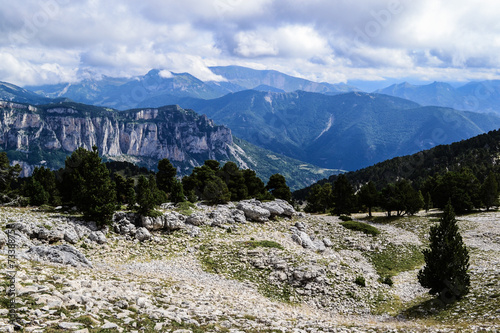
(62, 254)
(197, 219)
(142, 234)
(71, 236)
(253, 211)
(273, 207)
(303, 239)
(152, 223)
(70, 326)
(98, 237)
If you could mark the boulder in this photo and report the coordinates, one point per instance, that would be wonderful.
(173, 221)
(253, 211)
(98, 237)
(124, 227)
(52, 235)
(288, 209)
(26, 228)
(319, 245)
(196, 219)
(221, 215)
(61, 254)
(273, 207)
(327, 242)
(300, 226)
(238, 216)
(152, 223)
(18, 238)
(142, 234)
(71, 236)
(303, 239)
(81, 230)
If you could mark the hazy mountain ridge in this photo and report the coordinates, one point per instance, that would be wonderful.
(13, 93)
(163, 87)
(483, 96)
(252, 78)
(347, 131)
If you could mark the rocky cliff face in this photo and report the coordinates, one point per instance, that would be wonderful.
(170, 132)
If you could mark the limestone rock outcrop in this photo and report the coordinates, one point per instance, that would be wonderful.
(167, 132)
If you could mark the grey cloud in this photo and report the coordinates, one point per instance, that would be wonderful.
(364, 36)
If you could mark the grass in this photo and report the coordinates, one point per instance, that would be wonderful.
(225, 259)
(360, 226)
(252, 244)
(395, 259)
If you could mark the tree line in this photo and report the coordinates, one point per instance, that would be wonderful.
(87, 183)
(461, 189)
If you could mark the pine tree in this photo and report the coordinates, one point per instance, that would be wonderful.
(235, 181)
(369, 196)
(130, 190)
(148, 195)
(8, 173)
(88, 185)
(319, 199)
(489, 191)
(255, 186)
(428, 202)
(177, 193)
(35, 192)
(343, 196)
(216, 191)
(447, 260)
(314, 199)
(47, 179)
(278, 187)
(165, 177)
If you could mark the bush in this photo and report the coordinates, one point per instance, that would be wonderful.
(360, 226)
(185, 208)
(153, 213)
(387, 280)
(360, 281)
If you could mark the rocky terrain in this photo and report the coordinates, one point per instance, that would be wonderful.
(242, 267)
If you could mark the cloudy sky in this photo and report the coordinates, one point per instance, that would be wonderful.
(51, 41)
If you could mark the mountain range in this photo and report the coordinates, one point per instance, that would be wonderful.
(483, 96)
(128, 93)
(330, 126)
(344, 131)
(44, 135)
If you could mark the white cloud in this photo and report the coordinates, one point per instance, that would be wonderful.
(55, 40)
(287, 41)
(251, 44)
(165, 74)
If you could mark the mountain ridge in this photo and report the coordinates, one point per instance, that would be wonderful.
(325, 130)
(46, 134)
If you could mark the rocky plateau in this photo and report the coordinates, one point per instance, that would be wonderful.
(242, 267)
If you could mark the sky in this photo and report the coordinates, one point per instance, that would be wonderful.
(378, 41)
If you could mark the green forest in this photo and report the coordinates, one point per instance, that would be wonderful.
(98, 189)
(465, 172)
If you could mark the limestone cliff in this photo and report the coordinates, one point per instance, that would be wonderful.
(167, 132)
